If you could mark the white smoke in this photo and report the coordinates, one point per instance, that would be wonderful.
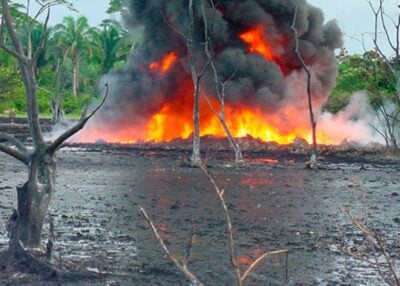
(352, 124)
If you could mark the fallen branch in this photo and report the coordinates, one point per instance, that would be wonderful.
(377, 245)
(262, 258)
(240, 279)
(182, 265)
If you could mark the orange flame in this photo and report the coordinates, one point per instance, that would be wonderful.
(165, 64)
(268, 49)
(257, 43)
(174, 120)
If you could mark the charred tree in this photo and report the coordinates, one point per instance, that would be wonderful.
(35, 195)
(219, 87)
(197, 74)
(307, 70)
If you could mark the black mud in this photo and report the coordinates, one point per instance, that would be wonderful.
(274, 202)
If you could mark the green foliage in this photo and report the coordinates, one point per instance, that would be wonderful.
(72, 44)
(367, 72)
(74, 105)
(115, 6)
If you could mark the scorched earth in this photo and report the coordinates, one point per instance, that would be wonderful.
(273, 200)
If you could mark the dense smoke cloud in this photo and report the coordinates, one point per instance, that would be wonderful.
(137, 91)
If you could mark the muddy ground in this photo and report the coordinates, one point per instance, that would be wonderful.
(273, 200)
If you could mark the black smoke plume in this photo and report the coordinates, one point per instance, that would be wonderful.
(136, 91)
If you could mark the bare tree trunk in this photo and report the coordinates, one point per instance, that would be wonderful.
(220, 88)
(196, 156)
(197, 75)
(75, 77)
(313, 159)
(34, 198)
(35, 195)
(57, 112)
(232, 140)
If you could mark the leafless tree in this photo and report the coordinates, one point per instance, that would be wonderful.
(35, 195)
(197, 75)
(313, 160)
(385, 22)
(219, 87)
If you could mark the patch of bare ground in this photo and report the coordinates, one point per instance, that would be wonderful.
(273, 200)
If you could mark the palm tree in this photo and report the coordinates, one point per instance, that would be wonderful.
(73, 36)
(114, 44)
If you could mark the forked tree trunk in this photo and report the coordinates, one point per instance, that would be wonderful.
(313, 164)
(26, 224)
(34, 198)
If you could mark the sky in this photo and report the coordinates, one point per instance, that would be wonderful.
(353, 16)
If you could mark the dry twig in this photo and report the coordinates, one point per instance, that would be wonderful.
(240, 278)
(182, 265)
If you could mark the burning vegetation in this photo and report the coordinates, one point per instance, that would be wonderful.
(151, 99)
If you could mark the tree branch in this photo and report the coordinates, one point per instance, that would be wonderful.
(260, 259)
(19, 53)
(188, 247)
(76, 128)
(4, 137)
(21, 156)
(186, 38)
(229, 229)
(181, 266)
(42, 40)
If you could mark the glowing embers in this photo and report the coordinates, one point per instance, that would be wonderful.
(165, 64)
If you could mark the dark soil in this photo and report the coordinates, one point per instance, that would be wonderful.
(273, 200)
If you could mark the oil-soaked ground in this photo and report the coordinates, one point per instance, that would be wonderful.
(274, 202)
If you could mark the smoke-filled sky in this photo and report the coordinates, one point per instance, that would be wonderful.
(254, 54)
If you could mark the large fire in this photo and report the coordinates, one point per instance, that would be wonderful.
(173, 119)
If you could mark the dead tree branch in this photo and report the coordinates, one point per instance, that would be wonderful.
(380, 19)
(182, 265)
(240, 279)
(219, 87)
(21, 156)
(4, 137)
(6, 21)
(77, 127)
(189, 245)
(229, 226)
(378, 247)
(42, 40)
(260, 259)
